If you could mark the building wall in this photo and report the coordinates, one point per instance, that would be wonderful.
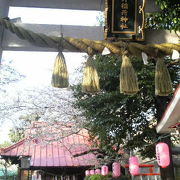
(48, 175)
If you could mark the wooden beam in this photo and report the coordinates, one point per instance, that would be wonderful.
(4, 9)
(97, 5)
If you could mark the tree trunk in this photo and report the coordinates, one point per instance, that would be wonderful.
(168, 172)
(161, 104)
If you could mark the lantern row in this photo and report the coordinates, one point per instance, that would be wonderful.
(162, 156)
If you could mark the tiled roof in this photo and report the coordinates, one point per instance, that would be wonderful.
(54, 154)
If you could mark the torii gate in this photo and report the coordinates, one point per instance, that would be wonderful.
(9, 41)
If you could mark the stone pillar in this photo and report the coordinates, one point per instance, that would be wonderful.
(4, 9)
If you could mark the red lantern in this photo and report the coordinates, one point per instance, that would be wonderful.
(133, 165)
(116, 169)
(104, 170)
(97, 171)
(87, 173)
(162, 154)
(92, 172)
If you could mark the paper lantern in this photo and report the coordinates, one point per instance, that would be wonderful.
(133, 165)
(39, 177)
(162, 154)
(116, 169)
(87, 172)
(104, 170)
(97, 171)
(92, 172)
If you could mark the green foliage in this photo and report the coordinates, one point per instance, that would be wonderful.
(16, 134)
(168, 18)
(5, 144)
(122, 177)
(111, 117)
(108, 177)
(98, 177)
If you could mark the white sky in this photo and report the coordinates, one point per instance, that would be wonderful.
(54, 16)
(37, 66)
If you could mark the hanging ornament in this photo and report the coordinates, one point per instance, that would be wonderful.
(133, 165)
(97, 171)
(90, 81)
(104, 170)
(163, 84)
(106, 51)
(162, 154)
(145, 58)
(38, 175)
(92, 172)
(116, 171)
(87, 173)
(175, 54)
(128, 77)
(60, 77)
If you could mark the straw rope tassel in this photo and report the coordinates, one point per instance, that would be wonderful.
(128, 77)
(163, 84)
(60, 77)
(90, 82)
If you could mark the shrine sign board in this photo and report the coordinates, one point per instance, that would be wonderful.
(25, 162)
(124, 19)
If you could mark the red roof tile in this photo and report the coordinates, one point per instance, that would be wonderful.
(55, 154)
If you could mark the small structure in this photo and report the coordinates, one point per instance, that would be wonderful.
(171, 117)
(40, 160)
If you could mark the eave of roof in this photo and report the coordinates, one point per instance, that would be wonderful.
(171, 116)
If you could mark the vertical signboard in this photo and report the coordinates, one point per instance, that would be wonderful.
(124, 19)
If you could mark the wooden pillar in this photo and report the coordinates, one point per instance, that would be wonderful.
(4, 9)
(19, 174)
(161, 103)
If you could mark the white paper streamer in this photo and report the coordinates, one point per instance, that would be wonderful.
(106, 51)
(175, 54)
(145, 58)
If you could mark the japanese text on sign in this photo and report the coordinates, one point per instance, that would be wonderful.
(124, 13)
(123, 16)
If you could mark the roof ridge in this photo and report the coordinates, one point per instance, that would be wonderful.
(14, 145)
